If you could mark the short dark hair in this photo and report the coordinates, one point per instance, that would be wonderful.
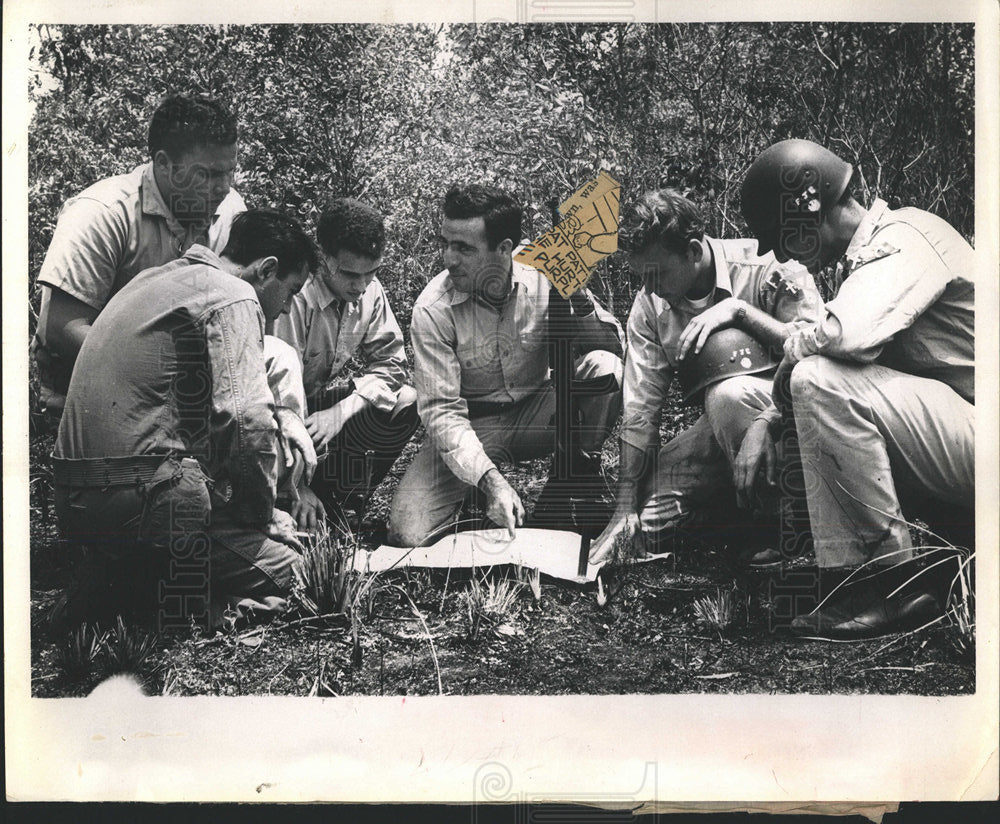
(180, 123)
(352, 225)
(501, 213)
(661, 216)
(265, 232)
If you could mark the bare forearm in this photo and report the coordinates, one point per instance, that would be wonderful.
(760, 325)
(352, 405)
(64, 323)
(634, 467)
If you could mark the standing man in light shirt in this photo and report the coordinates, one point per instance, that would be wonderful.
(481, 369)
(881, 386)
(693, 285)
(360, 424)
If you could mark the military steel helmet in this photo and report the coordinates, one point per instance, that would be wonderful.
(727, 352)
(791, 183)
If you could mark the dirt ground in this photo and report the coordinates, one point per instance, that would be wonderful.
(646, 638)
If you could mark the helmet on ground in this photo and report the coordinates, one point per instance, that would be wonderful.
(727, 352)
(790, 184)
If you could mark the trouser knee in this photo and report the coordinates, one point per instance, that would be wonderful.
(730, 396)
(813, 377)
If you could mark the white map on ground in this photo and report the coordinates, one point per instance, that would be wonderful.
(552, 552)
(555, 553)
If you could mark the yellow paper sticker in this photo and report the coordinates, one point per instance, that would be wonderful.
(588, 233)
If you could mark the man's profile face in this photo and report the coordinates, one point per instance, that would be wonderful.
(664, 273)
(472, 265)
(814, 245)
(275, 294)
(348, 274)
(198, 180)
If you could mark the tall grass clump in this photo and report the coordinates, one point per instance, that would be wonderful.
(328, 583)
(127, 648)
(78, 655)
(491, 602)
(718, 610)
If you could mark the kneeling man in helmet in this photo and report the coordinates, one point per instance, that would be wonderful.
(881, 388)
(693, 286)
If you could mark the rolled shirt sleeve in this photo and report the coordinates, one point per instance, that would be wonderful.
(445, 414)
(647, 377)
(877, 301)
(789, 294)
(87, 248)
(883, 297)
(243, 430)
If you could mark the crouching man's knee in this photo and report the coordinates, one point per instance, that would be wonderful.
(805, 374)
(818, 379)
(734, 395)
(409, 524)
(402, 534)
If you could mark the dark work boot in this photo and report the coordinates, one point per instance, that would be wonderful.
(873, 601)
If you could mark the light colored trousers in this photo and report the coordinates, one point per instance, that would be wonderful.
(429, 495)
(864, 430)
(694, 471)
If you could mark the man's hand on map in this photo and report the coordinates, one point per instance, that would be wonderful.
(503, 505)
(616, 540)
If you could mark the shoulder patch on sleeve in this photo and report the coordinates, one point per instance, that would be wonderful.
(776, 281)
(871, 253)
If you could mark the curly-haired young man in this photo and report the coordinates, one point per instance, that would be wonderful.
(362, 422)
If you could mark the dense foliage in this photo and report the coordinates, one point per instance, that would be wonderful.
(393, 114)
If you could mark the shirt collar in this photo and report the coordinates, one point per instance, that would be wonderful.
(866, 228)
(153, 202)
(202, 254)
(723, 280)
(317, 293)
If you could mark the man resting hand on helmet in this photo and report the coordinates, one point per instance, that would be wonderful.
(693, 286)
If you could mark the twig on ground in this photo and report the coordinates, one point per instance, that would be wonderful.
(430, 639)
(273, 677)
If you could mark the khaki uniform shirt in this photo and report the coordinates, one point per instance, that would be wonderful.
(175, 363)
(327, 333)
(907, 300)
(104, 237)
(465, 349)
(119, 227)
(786, 292)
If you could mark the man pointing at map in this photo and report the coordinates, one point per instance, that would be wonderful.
(479, 336)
